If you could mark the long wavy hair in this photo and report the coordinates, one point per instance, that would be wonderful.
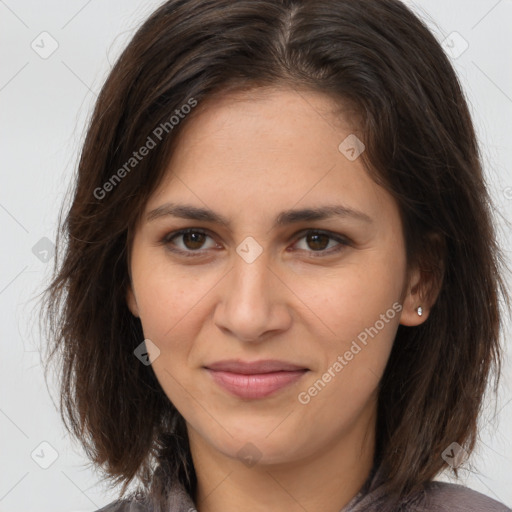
(377, 57)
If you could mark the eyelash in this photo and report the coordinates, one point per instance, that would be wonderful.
(343, 242)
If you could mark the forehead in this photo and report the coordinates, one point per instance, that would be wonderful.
(267, 148)
(279, 107)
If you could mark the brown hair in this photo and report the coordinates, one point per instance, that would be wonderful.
(377, 57)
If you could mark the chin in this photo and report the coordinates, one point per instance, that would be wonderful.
(264, 446)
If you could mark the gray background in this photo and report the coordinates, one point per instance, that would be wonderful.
(45, 103)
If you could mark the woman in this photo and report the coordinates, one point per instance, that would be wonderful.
(281, 284)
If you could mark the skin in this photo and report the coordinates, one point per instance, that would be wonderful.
(248, 157)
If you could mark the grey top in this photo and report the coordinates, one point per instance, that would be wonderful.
(436, 497)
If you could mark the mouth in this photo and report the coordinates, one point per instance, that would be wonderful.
(253, 380)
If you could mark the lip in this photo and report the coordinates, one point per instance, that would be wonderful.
(253, 380)
(254, 367)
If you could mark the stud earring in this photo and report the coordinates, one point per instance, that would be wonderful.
(419, 310)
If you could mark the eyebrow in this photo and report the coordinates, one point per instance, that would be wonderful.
(284, 218)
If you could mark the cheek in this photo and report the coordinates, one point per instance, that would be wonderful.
(360, 312)
(364, 321)
(169, 308)
(352, 298)
(166, 297)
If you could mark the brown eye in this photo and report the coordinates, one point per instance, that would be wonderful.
(193, 240)
(189, 242)
(320, 243)
(317, 241)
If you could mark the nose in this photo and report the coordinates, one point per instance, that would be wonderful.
(254, 302)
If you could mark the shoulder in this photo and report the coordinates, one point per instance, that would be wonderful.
(177, 500)
(441, 496)
(123, 506)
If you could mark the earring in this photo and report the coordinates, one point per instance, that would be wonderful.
(419, 310)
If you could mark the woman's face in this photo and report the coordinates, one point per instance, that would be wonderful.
(261, 277)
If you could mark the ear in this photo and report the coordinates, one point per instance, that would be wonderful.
(131, 301)
(424, 283)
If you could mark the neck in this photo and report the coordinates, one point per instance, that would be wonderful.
(325, 481)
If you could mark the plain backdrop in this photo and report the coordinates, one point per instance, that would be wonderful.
(55, 56)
